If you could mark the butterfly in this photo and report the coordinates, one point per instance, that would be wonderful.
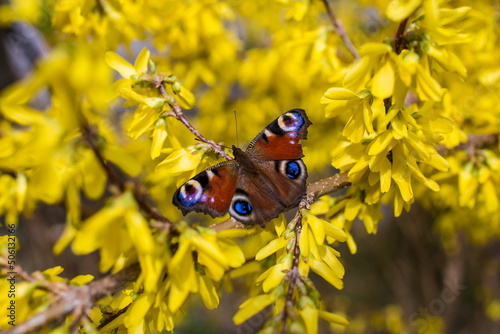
(260, 182)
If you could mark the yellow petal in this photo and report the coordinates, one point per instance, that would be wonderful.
(251, 307)
(400, 129)
(438, 162)
(142, 61)
(320, 268)
(318, 227)
(304, 240)
(213, 269)
(55, 271)
(353, 248)
(91, 235)
(401, 173)
(94, 177)
(401, 9)
(176, 298)
(328, 256)
(352, 208)
(380, 143)
(338, 93)
(232, 251)
(334, 232)
(247, 268)
(359, 72)
(271, 248)
(208, 292)
(122, 158)
(427, 87)
(81, 280)
(209, 248)
(420, 149)
(47, 183)
(65, 239)
(374, 49)
(152, 102)
(490, 195)
(159, 136)
(119, 64)
(337, 107)
(309, 315)
(383, 81)
(360, 166)
(333, 318)
(138, 310)
(276, 274)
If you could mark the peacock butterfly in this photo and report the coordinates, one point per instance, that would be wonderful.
(260, 182)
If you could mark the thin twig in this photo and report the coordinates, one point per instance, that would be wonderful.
(113, 316)
(178, 114)
(473, 142)
(399, 43)
(293, 274)
(339, 29)
(80, 298)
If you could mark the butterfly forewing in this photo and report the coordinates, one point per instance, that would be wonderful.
(280, 139)
(209, 192)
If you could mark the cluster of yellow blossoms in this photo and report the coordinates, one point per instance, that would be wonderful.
(389, 116)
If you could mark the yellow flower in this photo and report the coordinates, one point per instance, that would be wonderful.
(253, 306)
(401, 9)
(341, 100)
(214, 254)
(184, 162)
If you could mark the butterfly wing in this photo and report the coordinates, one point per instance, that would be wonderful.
(254, 201)
(276, 150)
(210, 192)
(287, 178)
(280, 139)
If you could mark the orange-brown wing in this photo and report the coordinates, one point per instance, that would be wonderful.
(280, 140)
(209, 192)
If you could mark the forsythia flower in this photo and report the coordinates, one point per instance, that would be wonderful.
(314, 254)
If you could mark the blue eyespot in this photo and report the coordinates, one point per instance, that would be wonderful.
(292, 170)
(242, 208)
(190, 193)
(291, 121)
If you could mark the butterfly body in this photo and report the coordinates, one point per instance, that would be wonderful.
(260, 182)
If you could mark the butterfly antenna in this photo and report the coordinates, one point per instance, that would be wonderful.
(236, 124)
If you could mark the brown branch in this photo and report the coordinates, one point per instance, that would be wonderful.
(178, 114)
(339, 29)
(113, 316)
(473, 142)
(293, 275)
(80, 298)
(326, 186)
(399, 43)
(91, 137)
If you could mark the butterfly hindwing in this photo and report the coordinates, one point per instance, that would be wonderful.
(254, 201)
(210, 192)
(280, 139)
(288, 178)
